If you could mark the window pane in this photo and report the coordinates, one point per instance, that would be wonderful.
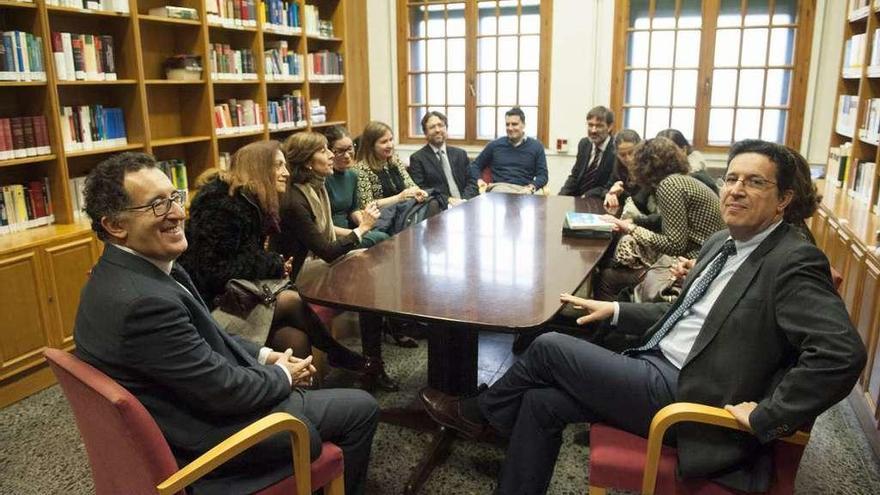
(456, 122)
(415, 120)
(417, 27)
(683, 120)
(486, 88)
(486, 48)
(530, 21)
(417, 56)
(436, 21)
(659, 88)
(720, 126)
(507, 88)
(637, 49)
(455, 55)
(531, 120)
(634, 118)
(507, 53)
(455, 25)
(723, 87)
(664, 14)
(488, 22)
(729, 13)
(687, 49)
(528, 88)
(508, 20)
(684, 92)
(662, 43)
(773, 127)
(417, 89)
(529, 52)
(639, 14)
(727, 47)
(747, 122)
(751, 88)
(636, 86)
(436, 89)
(778, 87)
(785, 12)
(436, 55)
(455, 89)
(500, 129)
(486, 123)
(657, 119)
(781, 46)
(691, 14)
(758, 13)
(754, 49)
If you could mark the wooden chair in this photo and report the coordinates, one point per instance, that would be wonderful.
(128, 453)
(620, 460)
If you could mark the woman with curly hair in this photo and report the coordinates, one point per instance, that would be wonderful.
(382, 178)
(689, 210)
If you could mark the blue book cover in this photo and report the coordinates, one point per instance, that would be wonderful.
(586, 221)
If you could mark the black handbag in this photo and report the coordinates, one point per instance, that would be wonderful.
(242, 296)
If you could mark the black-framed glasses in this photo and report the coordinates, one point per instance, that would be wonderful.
(349, 150)
(160, 207)
(752, 183)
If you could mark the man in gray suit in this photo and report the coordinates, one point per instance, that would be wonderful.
(142, 322)
(441, 167)
(759, 329)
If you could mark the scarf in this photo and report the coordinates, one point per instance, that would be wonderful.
(319, 202)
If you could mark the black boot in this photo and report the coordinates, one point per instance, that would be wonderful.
(374, 377)
(394, 330)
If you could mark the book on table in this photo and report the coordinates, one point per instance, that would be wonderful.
(589, 225)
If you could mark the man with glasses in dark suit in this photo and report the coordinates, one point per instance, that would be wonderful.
(439, 166)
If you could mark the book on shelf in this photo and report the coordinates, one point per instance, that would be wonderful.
(230, 64)
(25, 206)
(88, 127)
(22, 137)
(875, 48)
(282, 64)
(235, 116)
(232, 13)
(223, 160)
(870, 129)
(75, 187)
(847, 107)
(280, 16)
(325, 66)
(838, 171)
(863, 181)
(174, 12)
(21, 57)
(854, 51)
(175, 169)
(587, 225)
(120, 6)
(83, 57)
(287, 112)
(317, 111)
(314, 25)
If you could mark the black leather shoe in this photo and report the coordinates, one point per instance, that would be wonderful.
(374, 376)
(522, 341)
(446, 410)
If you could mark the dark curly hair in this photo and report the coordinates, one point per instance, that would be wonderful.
(792, 174)
(104, 191)
(656, 159)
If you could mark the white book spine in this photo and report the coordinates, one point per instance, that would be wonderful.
(70, 72)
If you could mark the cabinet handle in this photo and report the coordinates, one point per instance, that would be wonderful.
(51, 299)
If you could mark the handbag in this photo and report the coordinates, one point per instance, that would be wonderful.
(242, 296)
(657, 285)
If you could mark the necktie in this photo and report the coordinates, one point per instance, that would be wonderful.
(693, 295)
(592, 170)
(447, 171)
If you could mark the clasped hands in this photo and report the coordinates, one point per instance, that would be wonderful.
(413, 193)
(301, 370)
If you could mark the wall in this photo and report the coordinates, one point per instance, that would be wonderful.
(581, 74)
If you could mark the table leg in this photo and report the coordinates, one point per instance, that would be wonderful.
(435, 454)
(452, 359)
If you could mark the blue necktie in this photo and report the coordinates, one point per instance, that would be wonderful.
(693, 295)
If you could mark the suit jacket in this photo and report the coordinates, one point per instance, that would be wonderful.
(157, 339)
(427, 171)
(778, 335)
(604, 179)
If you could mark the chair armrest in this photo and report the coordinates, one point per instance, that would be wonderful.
(242, 440)
(695, 413)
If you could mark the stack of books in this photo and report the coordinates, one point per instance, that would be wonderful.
(314, 25)
(287, 112)
(281, 63)
(237, 116)
(99, 5)
(586, 225)
(88, 127)
(83, 57)
(21, 57)
(325, 66)
(25, 206)
(21, 137)
(229, 64)
(317, 111)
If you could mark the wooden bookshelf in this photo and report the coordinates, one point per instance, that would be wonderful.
(169, 119)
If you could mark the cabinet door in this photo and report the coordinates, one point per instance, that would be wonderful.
(836, 247)
(24, 327)
(819, 226)
(853, 280)
(67, 269)
(869, 328)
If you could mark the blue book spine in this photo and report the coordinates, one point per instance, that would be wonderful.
(19, 53)
(9, 56)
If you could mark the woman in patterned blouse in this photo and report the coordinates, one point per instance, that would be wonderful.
(382, 177)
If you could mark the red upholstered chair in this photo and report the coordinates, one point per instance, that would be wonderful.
(618, 459)
(325, 314)
(128, 453)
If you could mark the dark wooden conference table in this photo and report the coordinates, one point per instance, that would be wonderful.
(495, 263)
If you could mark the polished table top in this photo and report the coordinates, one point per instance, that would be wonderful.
(498, 260)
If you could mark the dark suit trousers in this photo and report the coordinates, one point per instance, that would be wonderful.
(562, 380)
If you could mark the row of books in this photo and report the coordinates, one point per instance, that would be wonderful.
(280, 13)
(317, 111)
(838, 164)
(100, 5)
(870, 129)
(92, 126)
(232, 13)
(287, 112)
(863, 178)
(83, 57)
(235, 116)
(175, 169)
(227, 63)
(314, 25)
(325, 66)
(21, 57)
(847, 106)
(24, 206)
(858, 7)
(21, 137)
(75, 186)
(854, 52)
(281, 63)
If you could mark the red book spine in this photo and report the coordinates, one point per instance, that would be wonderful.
(35, 190)
(5, 135)
(43, 130)
(18, 141)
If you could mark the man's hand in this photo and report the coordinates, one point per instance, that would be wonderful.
(741, 412)
(680, 270)
(596, 310)
(530, 189)
(456, 201)
(273, 356)
(481, 184)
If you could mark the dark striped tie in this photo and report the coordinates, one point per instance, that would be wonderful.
(589, 177)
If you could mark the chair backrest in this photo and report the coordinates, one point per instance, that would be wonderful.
(127, 451)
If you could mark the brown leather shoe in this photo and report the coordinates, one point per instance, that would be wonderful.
(446, 410)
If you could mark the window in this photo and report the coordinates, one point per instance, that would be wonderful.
(717, 70)
(473, 60)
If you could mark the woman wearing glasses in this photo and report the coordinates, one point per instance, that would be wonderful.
(230, 218)
(342, 186)
(307, 231)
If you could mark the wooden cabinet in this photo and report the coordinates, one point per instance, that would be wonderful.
(67, 267)
(26, 327)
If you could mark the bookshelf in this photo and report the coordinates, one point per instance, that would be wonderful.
(171, 119)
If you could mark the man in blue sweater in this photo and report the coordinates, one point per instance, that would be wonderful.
(517, 162)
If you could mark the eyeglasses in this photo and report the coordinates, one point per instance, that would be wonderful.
(341, 152)
(160, 207)
(752, 183)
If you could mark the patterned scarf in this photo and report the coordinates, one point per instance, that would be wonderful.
(319, 202)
